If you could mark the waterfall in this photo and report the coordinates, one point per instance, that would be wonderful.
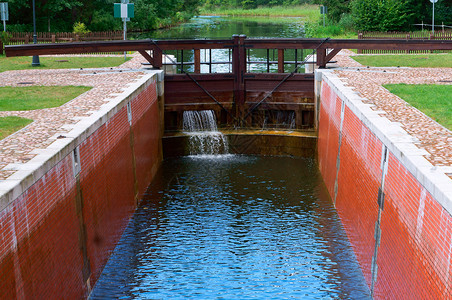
(204, 137)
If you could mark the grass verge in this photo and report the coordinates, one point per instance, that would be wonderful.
(433, 100)
(9, 125)
(37, 97)
(307, 11)
(59, 62)
(406, 60)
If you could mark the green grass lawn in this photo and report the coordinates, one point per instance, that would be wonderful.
(59, 62)
(12, 124)
(37, 97)
(433, 100)
(406, 60)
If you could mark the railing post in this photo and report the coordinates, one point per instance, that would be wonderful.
(53, 38)
(197, 61)
(407, 38)
(360, 37)
(157, 56)
(239, 70)
(280, 60)
(321, 58)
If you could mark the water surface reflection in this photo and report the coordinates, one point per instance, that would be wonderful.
(234, 227)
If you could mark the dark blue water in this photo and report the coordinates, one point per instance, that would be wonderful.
(237, 227)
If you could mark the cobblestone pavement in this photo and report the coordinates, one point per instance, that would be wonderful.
(432, 137)
(50, 123)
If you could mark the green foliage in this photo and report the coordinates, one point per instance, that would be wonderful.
(347, 22)
(60, 15)
(382, 15)
(5, 37)
(315, 30)
(80, 28)
(250, 4)
(336, 8)
(310, 12)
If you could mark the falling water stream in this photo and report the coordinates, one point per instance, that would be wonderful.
(204, 137)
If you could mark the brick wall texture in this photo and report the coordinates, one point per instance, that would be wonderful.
(56, 237)
(414, 253)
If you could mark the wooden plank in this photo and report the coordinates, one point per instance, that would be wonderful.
(147, 56)
(280, 60)
(136, 45)
(197, 61)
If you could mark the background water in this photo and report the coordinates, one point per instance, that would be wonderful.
(214, 27)
(234, 227)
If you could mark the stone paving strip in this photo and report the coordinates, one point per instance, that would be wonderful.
(431, 136)
(51, 123)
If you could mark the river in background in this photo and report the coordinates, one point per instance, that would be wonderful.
(214, 27)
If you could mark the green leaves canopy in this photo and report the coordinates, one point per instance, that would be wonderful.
(97, 15)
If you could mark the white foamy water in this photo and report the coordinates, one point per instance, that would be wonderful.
(204, 137)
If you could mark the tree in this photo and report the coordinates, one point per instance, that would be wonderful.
(336, 8)
(382, 15)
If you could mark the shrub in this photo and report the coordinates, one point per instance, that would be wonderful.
(381, 15)
(80, 29)
(347, 22)
(5, 37)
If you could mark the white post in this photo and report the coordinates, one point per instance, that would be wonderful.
(125, 26)
(433, 18)
(125, 35)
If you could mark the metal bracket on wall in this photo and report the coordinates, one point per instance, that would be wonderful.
(129, 113)
(76, 166)
(338, 158)
(380, 201)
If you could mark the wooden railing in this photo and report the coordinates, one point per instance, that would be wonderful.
(445, 35)
(21, 38)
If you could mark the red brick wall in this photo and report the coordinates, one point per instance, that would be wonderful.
(50, 242)
(416, 231)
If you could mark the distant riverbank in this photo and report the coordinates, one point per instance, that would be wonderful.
(310, 12)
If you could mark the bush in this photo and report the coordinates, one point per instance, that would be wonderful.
(5, 37)
(347, 22)
(80, 29)
(316, 30)
(20, 28)
(381, 15)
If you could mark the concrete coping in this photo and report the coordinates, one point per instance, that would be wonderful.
(26, 174)
(402, 145)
